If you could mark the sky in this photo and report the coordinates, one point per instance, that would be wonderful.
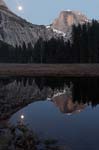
(45, 11)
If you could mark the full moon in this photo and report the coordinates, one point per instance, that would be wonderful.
(20, 8)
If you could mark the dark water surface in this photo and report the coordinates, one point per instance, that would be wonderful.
(72, 117)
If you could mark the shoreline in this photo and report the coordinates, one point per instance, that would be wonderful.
(71, 70)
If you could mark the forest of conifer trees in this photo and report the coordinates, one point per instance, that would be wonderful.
(84, 48)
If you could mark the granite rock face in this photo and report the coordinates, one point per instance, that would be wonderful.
(15, 31)
(67, 18)
(3, 4)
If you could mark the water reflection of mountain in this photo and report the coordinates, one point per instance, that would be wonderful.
(85, 90)
(66, 105)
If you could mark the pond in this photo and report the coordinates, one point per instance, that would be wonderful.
(70, 115)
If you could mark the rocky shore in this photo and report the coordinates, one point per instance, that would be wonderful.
(20, 137)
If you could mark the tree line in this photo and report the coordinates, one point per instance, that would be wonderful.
(84, 48)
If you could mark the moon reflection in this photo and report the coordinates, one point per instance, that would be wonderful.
(22, 116)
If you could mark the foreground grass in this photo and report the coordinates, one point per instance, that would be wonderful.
(49, 70)
(20, 137)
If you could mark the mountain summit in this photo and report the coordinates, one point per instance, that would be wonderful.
(3, 4)
(67, 18)
(15, 31)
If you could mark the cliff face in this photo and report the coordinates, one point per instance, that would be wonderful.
(15, 30)
(3, 4)
(67, 18)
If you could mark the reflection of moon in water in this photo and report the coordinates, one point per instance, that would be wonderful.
(22, 116)
(20, 8)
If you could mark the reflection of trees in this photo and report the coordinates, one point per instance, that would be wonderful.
(15, 95)
(23, 91)
(86, 90)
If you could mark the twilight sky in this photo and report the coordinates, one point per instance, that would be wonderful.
(45, 11)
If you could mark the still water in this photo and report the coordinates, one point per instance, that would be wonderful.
(70, 115)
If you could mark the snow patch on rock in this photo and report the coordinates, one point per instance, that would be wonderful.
(59, 32)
